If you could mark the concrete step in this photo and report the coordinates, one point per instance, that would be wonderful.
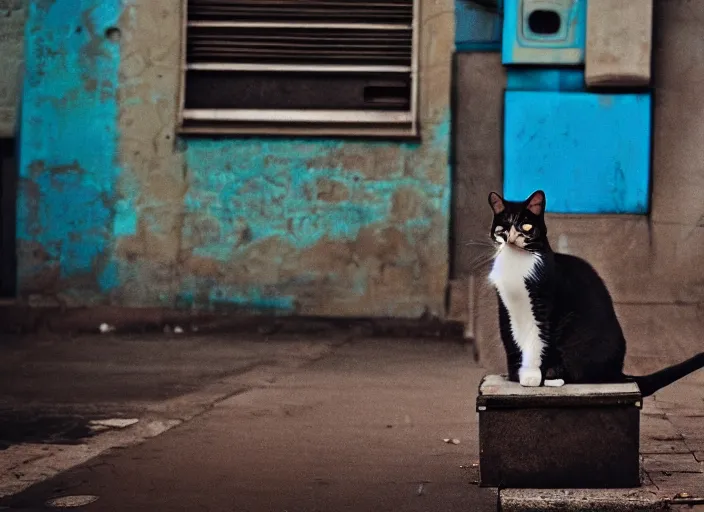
(581, 500)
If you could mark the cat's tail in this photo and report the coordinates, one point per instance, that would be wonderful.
(649, 384)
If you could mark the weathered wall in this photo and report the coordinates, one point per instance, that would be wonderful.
(12, 19)
(326, 227)
(480, 79)
(68, 150)
(678, 156)
(648, 259)
(657, 258)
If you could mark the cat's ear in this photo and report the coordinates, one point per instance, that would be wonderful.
(496, 203)
(536, 203)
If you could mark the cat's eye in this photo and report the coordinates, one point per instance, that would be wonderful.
(527, 227)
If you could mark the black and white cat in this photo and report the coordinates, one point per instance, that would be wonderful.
(556, 317)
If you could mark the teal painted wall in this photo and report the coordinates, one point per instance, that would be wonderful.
(477, 28)
(116, 209)
(68, 148)
(273, 213)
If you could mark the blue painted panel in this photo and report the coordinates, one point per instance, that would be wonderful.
(522, 45)
(68, 143)
(539, 79)
(589, 152)
(477, 29)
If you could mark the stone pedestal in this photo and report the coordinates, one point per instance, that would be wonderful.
(576, 436)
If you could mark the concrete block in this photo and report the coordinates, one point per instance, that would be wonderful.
(624, 249)
(12, 19)
(477, 154)
(619, 42)
(659, 335)
(678, 181)
(523, 441)
(617, 246)
(579, 500)
(492, 355)
(677, 260)
(478, 171)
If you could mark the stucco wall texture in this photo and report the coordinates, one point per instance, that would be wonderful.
(115, 208)
(12, 19)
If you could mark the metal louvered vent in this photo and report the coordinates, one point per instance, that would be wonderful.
(300, 66)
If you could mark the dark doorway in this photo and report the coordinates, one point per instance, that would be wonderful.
(8, 217)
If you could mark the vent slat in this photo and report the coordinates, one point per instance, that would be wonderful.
(274, 47)
(387, 11)
(297, 45)
(323, 39)
(292, 51)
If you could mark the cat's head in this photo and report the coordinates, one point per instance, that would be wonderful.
(520, 223)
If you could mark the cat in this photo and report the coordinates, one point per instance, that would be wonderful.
(556, 317)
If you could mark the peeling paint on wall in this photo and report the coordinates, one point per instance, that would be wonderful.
(289, 198)
(68, 147)
(242, 192)
(117, 209)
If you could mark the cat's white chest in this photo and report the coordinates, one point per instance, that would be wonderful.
(509, 273)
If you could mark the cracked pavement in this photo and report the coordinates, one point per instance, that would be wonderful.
(284, 422)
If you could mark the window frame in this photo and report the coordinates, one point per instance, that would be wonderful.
(399, 124)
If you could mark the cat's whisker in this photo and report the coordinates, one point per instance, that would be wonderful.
(478, 243)
(480, 261)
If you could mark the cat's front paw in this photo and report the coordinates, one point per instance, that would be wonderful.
(530, 377)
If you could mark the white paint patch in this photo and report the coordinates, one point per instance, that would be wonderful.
(512, 266)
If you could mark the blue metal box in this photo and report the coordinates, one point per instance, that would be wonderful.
(545, 79)
(589, 152)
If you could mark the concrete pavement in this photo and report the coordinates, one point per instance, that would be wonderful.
(672, 421)
(672, 432)
(360, 429)
(286, 422)
(54, 388)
